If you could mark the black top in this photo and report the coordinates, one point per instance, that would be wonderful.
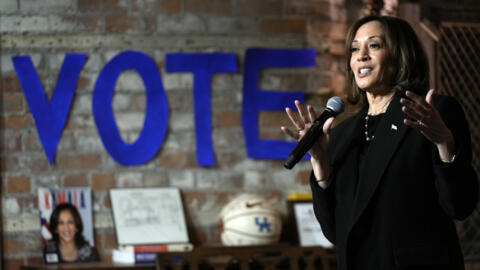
(51, 254)
(361, 141)
(397, 212)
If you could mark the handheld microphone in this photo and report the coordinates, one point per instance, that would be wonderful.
(334, 107)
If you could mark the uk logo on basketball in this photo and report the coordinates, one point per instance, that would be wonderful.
(249, 219)
(265, 225)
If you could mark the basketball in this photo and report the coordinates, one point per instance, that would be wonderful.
(249, 220)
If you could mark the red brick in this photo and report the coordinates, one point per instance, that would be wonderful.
(214, 235)
(18, 184)
(224, 197)
(274, 195)
(109, 241)
(259, 7)
(91, 24)
(143, 5)
(287, 81)
(277, 164)
(220, 7)
(27, 204)
(83, 82)
(12, 245)
(198, 235)
(78, 125)
(10, 84)
(272, 133)
(337, 84)
(323, 62)
(304, 177)
(32, 142)
(9, 164)
(106, 257)
(34, 260)
(78, 162)
(337, 47)
(150, 23)
(75, 180)
(319, 28)
(32, 164)
(137, 102)
(115, 6)
(273, 119)
(97, 240)
(308, 8)
(284, 26)
(103, 181)
(189, 197)
(107, 202)
(13, 103)
(14, 264)
(16, 122)
(321, 84)
(104, 254)
(228, 159)
(177, 160)
(228, 119)
(39, 164)
(12, 143)
(90, 5)
(122, 23)
(338, 31)
(168, 6)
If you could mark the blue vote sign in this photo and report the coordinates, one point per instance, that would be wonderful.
(50, 115)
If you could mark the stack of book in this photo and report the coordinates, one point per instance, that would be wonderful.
(146, 253)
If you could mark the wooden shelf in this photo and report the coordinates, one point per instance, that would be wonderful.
(280, 256)
(83, 266)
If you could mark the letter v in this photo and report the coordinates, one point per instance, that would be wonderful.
(49, 115)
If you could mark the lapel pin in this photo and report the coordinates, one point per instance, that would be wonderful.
(394, 127)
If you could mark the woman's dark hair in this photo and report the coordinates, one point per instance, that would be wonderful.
(405, 52)
(79, 240)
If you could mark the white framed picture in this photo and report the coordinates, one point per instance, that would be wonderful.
(308, 229)
(144, 216)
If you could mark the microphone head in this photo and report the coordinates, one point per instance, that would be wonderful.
(335, 104)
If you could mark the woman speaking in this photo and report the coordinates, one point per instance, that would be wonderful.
(389, 181)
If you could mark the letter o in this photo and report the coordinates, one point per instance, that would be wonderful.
(156, 113)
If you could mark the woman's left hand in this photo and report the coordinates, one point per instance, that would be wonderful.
(426, 118)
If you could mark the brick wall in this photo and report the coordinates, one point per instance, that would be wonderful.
(47, 30)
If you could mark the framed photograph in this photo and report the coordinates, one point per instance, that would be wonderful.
(80, 197)
(144, 216)
(307, 227)
(53, 201)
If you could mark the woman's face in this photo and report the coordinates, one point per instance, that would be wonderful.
(66, 226)
(369, 60)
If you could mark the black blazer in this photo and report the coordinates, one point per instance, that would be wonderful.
(406, 198)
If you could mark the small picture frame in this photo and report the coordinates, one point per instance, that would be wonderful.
(307, 227)
(144, 216)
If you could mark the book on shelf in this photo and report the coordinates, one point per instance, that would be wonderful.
(145, 257)
(147, 253)
(178, 247)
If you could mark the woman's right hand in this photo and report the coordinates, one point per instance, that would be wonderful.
(319, 151)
